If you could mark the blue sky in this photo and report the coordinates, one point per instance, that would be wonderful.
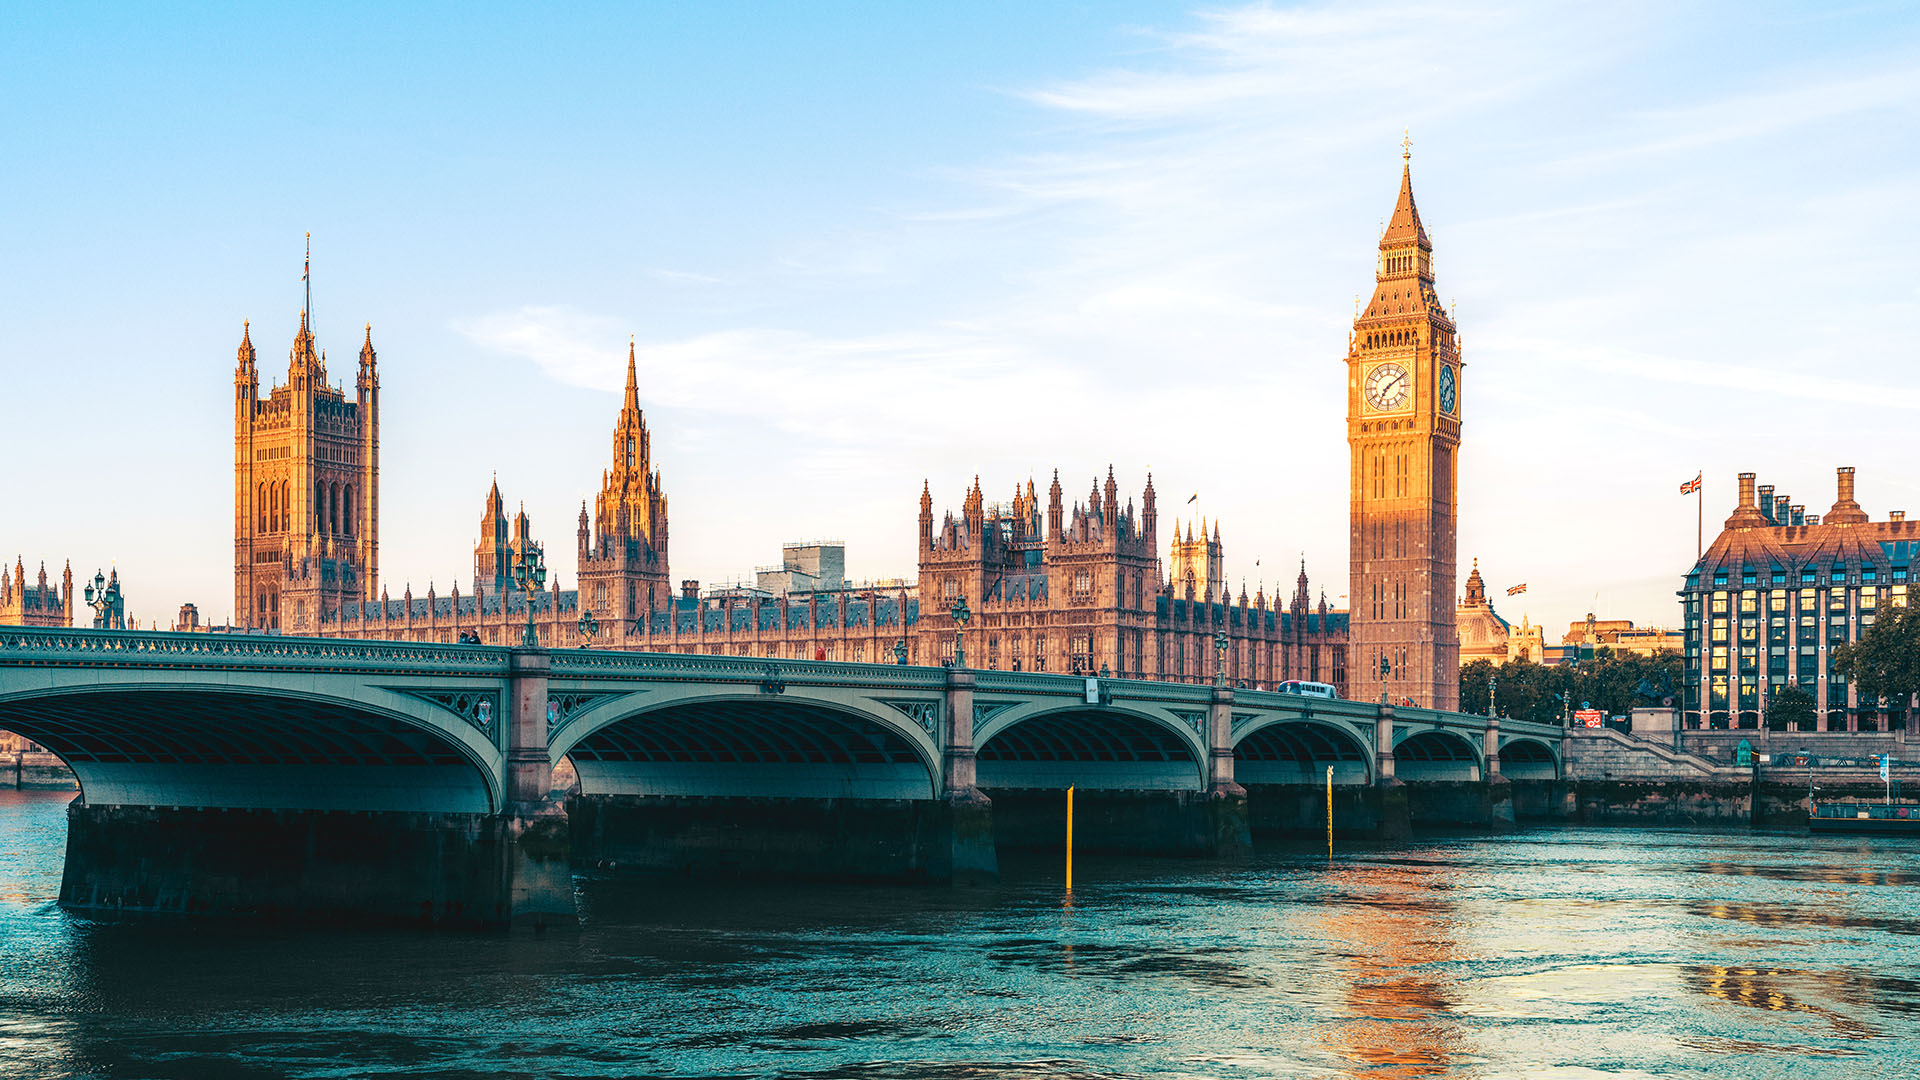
(863, 245)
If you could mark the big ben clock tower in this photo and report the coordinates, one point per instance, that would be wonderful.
(1403, 425)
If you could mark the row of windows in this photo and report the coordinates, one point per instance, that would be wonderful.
(1838, 575)
(333, 508)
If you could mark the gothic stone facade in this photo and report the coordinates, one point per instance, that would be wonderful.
(39, 604)
(306, 503)
(1082, 592)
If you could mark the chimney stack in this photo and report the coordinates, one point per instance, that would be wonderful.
(1782, 513)
(1845, 510)
(1766, 501)
(1746, 515)
(1799, 511)
(1896, 515)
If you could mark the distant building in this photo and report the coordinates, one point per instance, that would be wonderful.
(1484, 635)
(1621, 636)
(805, 567)
(1773, 595)
(495, 557)
(1197, 569)
(38, 604)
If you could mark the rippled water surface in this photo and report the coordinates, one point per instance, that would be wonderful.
(1561, 953)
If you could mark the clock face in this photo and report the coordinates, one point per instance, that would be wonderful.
(1387, 386)
(1447, 394)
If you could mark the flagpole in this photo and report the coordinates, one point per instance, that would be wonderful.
(1700, 517)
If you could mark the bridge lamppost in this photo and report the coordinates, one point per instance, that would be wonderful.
(589, 626)
(530, 574)
(961, 616)
(900, 652)
(103, 597)
(1220, 658)
(1493, 682)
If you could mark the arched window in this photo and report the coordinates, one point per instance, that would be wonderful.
(333, 508)
(274, 498)
(346, 509)
(320, 505)
(262, 504)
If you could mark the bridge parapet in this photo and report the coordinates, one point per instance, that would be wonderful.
(41, 647)
(606, 664)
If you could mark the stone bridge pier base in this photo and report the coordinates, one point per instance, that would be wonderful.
(1500, 815)
(966, 812)
(1392, 810)
(1229, 827)
(538, 851)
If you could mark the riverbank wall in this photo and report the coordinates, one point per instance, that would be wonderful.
(31, 769)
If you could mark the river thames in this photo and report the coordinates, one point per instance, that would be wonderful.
(1557, 953)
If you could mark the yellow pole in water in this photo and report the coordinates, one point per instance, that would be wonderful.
(1069, 838)
(1329, 812)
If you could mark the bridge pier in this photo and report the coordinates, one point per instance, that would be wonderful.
(966, 813)
(1392, 811)
(1229, 828)
(1500, 816)
(538, 854)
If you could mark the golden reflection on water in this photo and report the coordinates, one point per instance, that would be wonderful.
(1388, 938)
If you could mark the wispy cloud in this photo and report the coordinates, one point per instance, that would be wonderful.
(684, 276)
(1754, 115)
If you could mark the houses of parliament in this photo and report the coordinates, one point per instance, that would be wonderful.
(1051, 584)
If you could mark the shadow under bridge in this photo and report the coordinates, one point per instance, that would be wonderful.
(1299, 752)
(756, 746)
(254, 749)
(1103, 748)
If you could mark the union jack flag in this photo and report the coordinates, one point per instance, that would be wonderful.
(1690, 486)
(1517, 589)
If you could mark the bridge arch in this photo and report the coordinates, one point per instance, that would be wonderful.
(1435, 754)
(735, 743)
(1056, 745)
(248, 744)
(1297, 751)
(1528, 759)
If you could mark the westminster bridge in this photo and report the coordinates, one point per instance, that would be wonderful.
(285, 776)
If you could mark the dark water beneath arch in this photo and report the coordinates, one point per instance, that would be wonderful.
(1566, 953)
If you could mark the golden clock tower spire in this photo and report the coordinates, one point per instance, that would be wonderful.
(1403, 428)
